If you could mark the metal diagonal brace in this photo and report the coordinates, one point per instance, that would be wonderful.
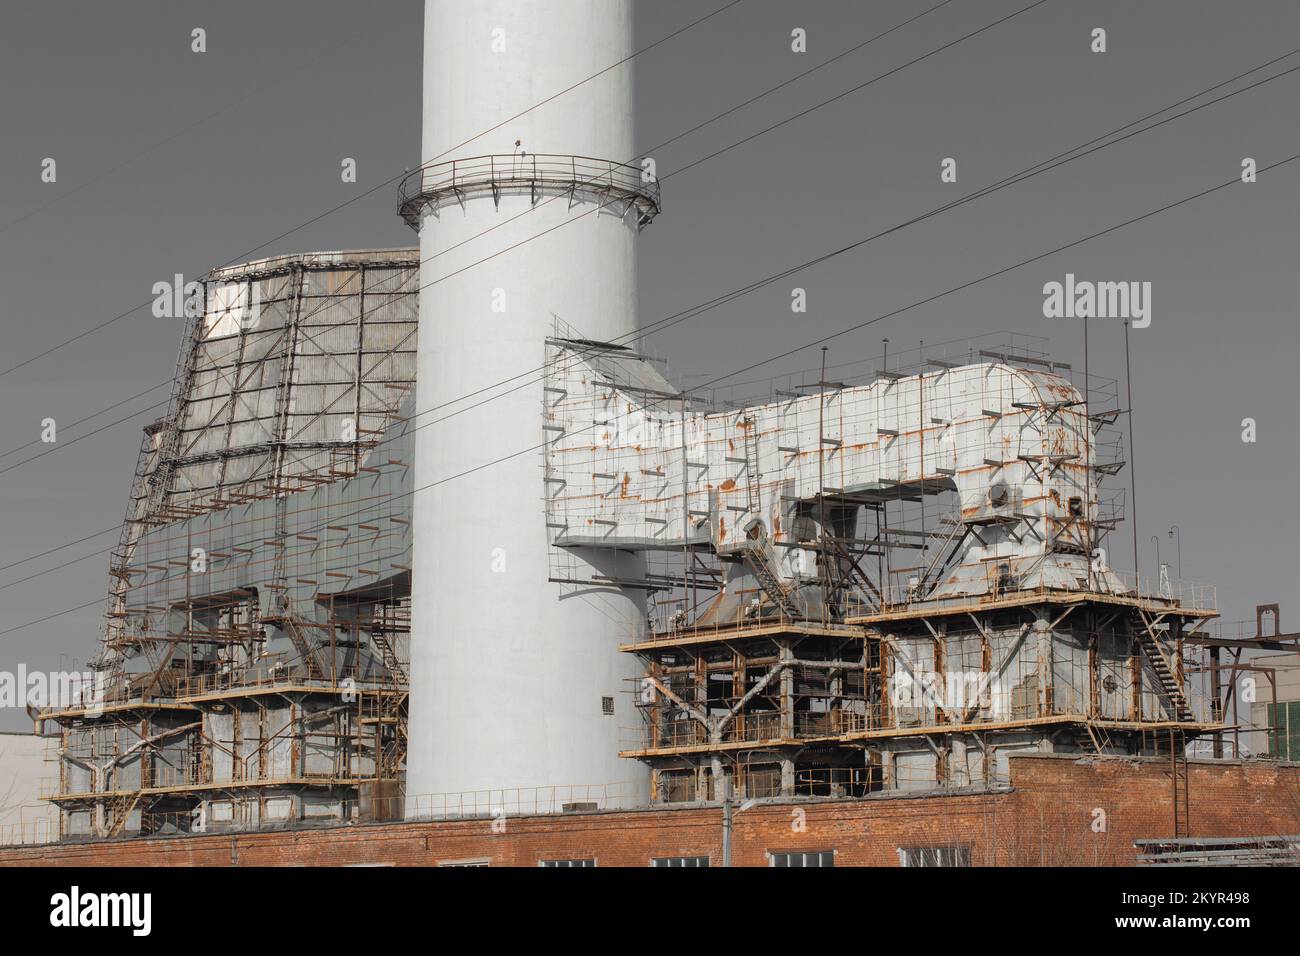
(691, 709)
(749, 695)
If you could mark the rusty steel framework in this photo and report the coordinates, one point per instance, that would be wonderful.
(828, 625)
(787, 707)
(1264, 633)
(254, 666)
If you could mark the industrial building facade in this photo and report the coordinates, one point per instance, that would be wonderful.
(425, 536)
(255, 669)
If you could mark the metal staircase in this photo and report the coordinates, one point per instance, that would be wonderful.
(944, 551)
(760, 559)
(294, 627)
(393, 665)
(1164, 672)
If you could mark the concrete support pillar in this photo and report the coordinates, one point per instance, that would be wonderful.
(960, 776)
(721, 785)
(787, 776)
(1043, 646)
(888, 770)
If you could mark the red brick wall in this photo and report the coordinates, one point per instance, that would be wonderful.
(1057, 799)
(1048, 818)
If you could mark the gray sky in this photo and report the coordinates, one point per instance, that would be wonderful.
(182, 161)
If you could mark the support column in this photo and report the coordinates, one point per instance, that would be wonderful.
(787, 691)
(787, 776)
(1043, 644)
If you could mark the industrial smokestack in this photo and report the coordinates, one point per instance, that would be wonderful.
(510, 677)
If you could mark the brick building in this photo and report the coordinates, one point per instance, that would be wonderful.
(1060, 810)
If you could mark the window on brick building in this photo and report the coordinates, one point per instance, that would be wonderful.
(680, 861)
(566, 862)
(934, 855)
(477, 861)
(1284, 730)
(810, 858)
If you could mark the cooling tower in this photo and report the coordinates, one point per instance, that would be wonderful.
(528, 218)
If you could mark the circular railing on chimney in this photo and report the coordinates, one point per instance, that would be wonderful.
(577, 178)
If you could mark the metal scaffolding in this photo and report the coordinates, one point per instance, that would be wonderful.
(254, 668)
(894, 608)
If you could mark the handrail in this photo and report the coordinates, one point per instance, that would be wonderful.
(1177, 596)
(429, 185)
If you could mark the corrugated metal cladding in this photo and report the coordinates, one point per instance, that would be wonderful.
(293, 358)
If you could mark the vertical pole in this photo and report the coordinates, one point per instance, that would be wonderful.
(1274, 740)
(1089, 514)
(1216, 699)
(785, 662)
(726, 828)
(688, 555)
(824, 558)
(1132, 466)
(1236, 712)
(1173, 776)
(920, 434)
(880, 560)
(883, 556)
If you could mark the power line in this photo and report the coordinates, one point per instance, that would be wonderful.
(675, 138)
(993, 275)
(966, 285)
(640, 333)
(665, 323)
(1030, 171)
(699, 126)
(1034, 169)
(679, 136)
(96, 414)
(72, 441)
(862, 86)
(1040, 167)
(67, 544)
(798, 76)
(174, 380)
(388, 182)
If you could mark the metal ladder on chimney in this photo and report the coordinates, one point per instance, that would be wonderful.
(754, 500)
